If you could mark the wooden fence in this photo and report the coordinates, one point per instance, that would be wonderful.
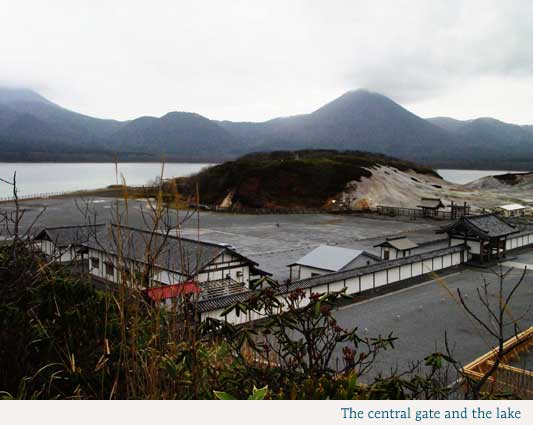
(413, 212)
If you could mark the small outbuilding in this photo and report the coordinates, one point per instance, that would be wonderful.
(398, 247)
(328, 259)
(430, 206)
(511, 210)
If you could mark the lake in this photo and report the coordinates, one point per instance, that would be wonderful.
(467, 176)
(41, 177)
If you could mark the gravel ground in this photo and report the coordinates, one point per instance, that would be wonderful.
(271, 240)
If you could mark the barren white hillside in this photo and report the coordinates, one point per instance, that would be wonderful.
(392, 187)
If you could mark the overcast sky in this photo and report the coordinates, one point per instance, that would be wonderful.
(254, 60)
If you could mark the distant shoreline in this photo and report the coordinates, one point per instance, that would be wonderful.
(503, 169)
(120, 161)
(218, 161)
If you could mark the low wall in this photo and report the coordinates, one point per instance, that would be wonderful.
(363, 279)
(519, 241)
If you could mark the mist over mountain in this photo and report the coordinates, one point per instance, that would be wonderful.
(76, 129)
(359, 120)
(528, 128)
(33, 128)
(176, 134)
(488, 139)
(447, 123)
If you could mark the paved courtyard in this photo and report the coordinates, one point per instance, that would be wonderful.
(421, 315)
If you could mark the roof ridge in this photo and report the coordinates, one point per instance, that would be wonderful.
(71, 226)
(480, 215)
(468, 218)
(393, 238)
(137, 229)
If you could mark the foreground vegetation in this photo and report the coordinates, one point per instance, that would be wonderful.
(63, 338)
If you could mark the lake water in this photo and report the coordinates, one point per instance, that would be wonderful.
(467, 176)
(41, 177)
(34, 178)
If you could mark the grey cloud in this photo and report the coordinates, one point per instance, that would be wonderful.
(252, 60)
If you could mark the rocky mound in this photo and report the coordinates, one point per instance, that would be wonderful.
(522, 181)
(308, 179)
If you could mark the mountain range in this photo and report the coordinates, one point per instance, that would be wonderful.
(33, 128)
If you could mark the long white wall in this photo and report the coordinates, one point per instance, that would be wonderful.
(360, 282)
(519, 241)
(514, 242)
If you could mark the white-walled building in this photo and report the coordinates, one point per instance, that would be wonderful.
(163, 259)
(398, 247)
(167, 267)
(111, 252)
(327, 259)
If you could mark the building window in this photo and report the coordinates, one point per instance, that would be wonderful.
(386, 254)
(109, 269)
(95, 263)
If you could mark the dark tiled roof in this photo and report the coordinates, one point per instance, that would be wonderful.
(223, 302)
(484, 225)
(69, 235)
(185, 256)
(221, 288)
